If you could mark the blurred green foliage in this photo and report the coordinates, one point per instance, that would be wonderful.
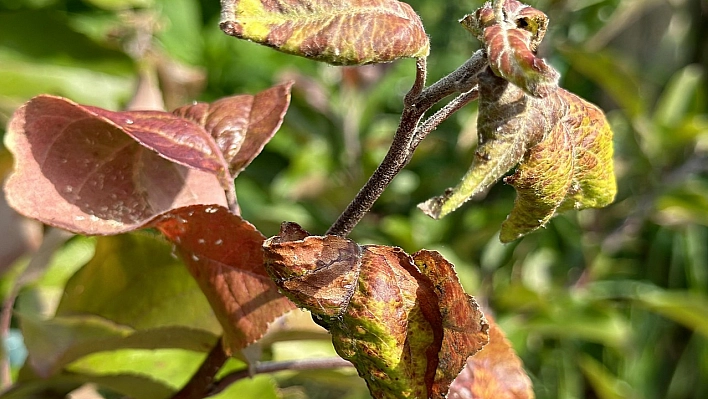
(609, 303)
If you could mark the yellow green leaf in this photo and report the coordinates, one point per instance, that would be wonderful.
(347, 32)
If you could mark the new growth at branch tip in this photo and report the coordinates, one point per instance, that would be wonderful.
(560, 144)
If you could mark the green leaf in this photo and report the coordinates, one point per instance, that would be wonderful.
(135, 280)
(69, 64)
(120, 4)
(344, 32)
(687, 308)
(20, 80)
(172, 367)
(604, 383)
(54, 343)
(58, 387)
(50, 342)
(622, 83)
(260, 386)
(687, 204)
(181, 35)
(674, 103)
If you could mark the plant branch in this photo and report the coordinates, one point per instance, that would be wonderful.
(392, 163)
(460, 80)
(203, 379)
(272, 367)
(443, 113)
(405, 140)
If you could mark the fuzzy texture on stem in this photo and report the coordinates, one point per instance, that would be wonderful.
(410, 132)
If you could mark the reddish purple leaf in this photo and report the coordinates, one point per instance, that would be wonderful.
(174, 138)
(224, 254)
(243, 124)
(77, 168)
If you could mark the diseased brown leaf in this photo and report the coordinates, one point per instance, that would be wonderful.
(570, 169)
(561, 143)
(80, 168)
(241, 125)
(509, 123)
(407, 332)
(224, 254)
(495, 372)
(461, 315)
(330, 285)
(345, 32)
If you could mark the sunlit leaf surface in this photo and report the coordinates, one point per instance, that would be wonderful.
(403, 321)
(344, 32)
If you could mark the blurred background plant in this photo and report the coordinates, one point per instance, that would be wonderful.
(609, 303)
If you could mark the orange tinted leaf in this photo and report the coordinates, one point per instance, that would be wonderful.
(224, 254)
(463, 334)
(80, 168)
(241, 125)
(344, 32)
(407, 332)
(330, 284)
(494, 372)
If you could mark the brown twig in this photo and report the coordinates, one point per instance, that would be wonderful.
(394, 161)
(408, 136)
(202, 381)
(443, 113)
(272, 367)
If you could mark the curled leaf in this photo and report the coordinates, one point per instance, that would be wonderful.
(241, 125)
(511, 45)
(403, 321)
(94, 171)
(542, 181)
(494, 372)
(570, 169)
(561, 143)
(460, 317)
(346, 32)
(224, 254)
(509, 122)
